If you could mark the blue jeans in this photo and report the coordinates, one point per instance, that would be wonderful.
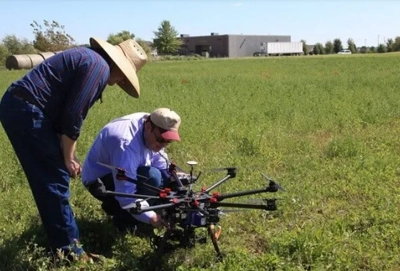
(153, 177)
(37, 147)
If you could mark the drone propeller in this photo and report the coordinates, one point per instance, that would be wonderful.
(261, 201)
(227, 211)
(273, 183)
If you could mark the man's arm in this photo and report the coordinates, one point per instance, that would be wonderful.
(71, 162)
(91, 79)
(161, 162)
(123, 157)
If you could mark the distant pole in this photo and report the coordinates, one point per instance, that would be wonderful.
(378, 40)
(365, 42)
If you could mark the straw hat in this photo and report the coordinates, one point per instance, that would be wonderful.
(130, 57)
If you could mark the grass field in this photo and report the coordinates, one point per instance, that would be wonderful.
(326, 128)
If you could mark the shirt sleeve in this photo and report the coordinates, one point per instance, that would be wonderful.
(91, 79)
(121, 157)
(159, 160)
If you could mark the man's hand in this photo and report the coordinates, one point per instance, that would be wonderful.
(73, 167)
(70, 160)
(172, 168)
(157, 222)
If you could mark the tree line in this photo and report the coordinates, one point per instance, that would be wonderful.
(51, 36)
(390, 45)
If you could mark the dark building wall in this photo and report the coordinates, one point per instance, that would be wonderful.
(228, 45)
(247, 45)
(217, 46)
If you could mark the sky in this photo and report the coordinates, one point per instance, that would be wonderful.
(366, 22)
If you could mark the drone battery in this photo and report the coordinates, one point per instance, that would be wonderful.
(198, 219)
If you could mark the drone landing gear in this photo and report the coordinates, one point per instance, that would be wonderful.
(214, 242)
(183, 238)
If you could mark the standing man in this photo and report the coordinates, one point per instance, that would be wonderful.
(136, 144)
(42, 114)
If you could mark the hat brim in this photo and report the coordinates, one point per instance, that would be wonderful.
(170, 135)
(131, 84)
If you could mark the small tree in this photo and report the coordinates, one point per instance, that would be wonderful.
(337, 45)
(363, 49)
(305, 49)
(351, 46)
(16, 46)
(329, 47)
(4, 53)
(115, 39)
(396, 45)
(390, 45)
(51, 38)
(167, 41)
(144, 45)
(382, 48)
(372, 49)
(319, 49)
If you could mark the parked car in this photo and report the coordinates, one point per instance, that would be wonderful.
(344, 52)
(259, 54)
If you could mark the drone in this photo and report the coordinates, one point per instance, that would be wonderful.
(186, 210)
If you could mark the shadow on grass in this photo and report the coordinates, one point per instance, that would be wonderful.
(29, 251)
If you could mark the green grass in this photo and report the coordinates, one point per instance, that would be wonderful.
(326, 128)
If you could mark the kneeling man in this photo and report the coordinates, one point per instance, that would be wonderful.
(136, 144)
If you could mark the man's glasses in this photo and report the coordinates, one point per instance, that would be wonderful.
(159, 139)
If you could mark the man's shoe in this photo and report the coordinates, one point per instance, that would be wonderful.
(144, 229)
(123, 225)
(86, 257)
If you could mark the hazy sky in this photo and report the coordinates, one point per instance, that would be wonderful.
(315, 21)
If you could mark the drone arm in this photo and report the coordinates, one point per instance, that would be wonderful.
(178, 181)
(138, 209)
(139, 183)
(227, 177)
(270, 206)
(244, 193)
(127, 195)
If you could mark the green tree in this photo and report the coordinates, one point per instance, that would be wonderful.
(382, 48)
(166, 41)
(372, 49)
(16, 46)
(363, 49)
(351, 46)
(4, 53)
(329, 47)
(390, 45)
(396, 45)
(52, 37)
(337, 45)
(305, 49)
(115, 39)
(319, 49)
(145, 45)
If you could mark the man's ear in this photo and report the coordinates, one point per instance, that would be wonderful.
(147, 126)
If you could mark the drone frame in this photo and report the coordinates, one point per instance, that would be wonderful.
(185, 201)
